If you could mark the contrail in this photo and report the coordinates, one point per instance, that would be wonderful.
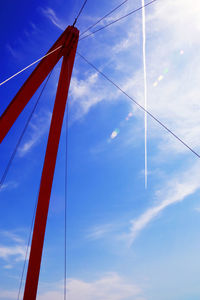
(145, 88)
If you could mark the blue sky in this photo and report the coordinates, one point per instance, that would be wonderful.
(124, 241)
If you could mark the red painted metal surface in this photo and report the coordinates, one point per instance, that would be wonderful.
(35, 79)
(49, 167)
(69, 41)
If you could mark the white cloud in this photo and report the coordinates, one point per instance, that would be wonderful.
(12, 248)
(100, 231)
(51, 15)
(88, 92)
(38, 127)
(12, 51)
(9, 185)
(12, 236)
(176, 190)
(7, 252)
(109, 287)
(8, 267)
(125, 44)
(173, 28)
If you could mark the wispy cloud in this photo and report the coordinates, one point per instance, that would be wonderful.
(51, 15)
(172, 56)
(12, 248)
(111, 286)
(12, 236)
(12, 51)
(88, 92)
(176, 190)
(100, 231)
(38, 127)
(18, 252)
(175, 100)
(8, 267)
(9, 185)
(124, 44)
(180, 186)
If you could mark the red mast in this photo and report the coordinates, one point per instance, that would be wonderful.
(68, 40)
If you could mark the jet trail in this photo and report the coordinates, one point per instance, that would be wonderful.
(145, 88)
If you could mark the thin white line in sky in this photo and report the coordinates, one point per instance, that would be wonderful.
(145, 90)
(29, 65)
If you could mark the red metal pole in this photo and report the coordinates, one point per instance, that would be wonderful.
(34, 80)
(32, 278)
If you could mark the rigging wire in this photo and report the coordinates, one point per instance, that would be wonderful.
(117, 20)
(22, 134)
(79, 13)
(105, 16)
(28, 246)
(33, 63)
(113, 22)
(5, 174)
(133, 100)
(4, 177)
(66, 190)
(35, 208)
(65, 209)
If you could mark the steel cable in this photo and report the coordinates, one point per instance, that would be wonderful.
(133, 100)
